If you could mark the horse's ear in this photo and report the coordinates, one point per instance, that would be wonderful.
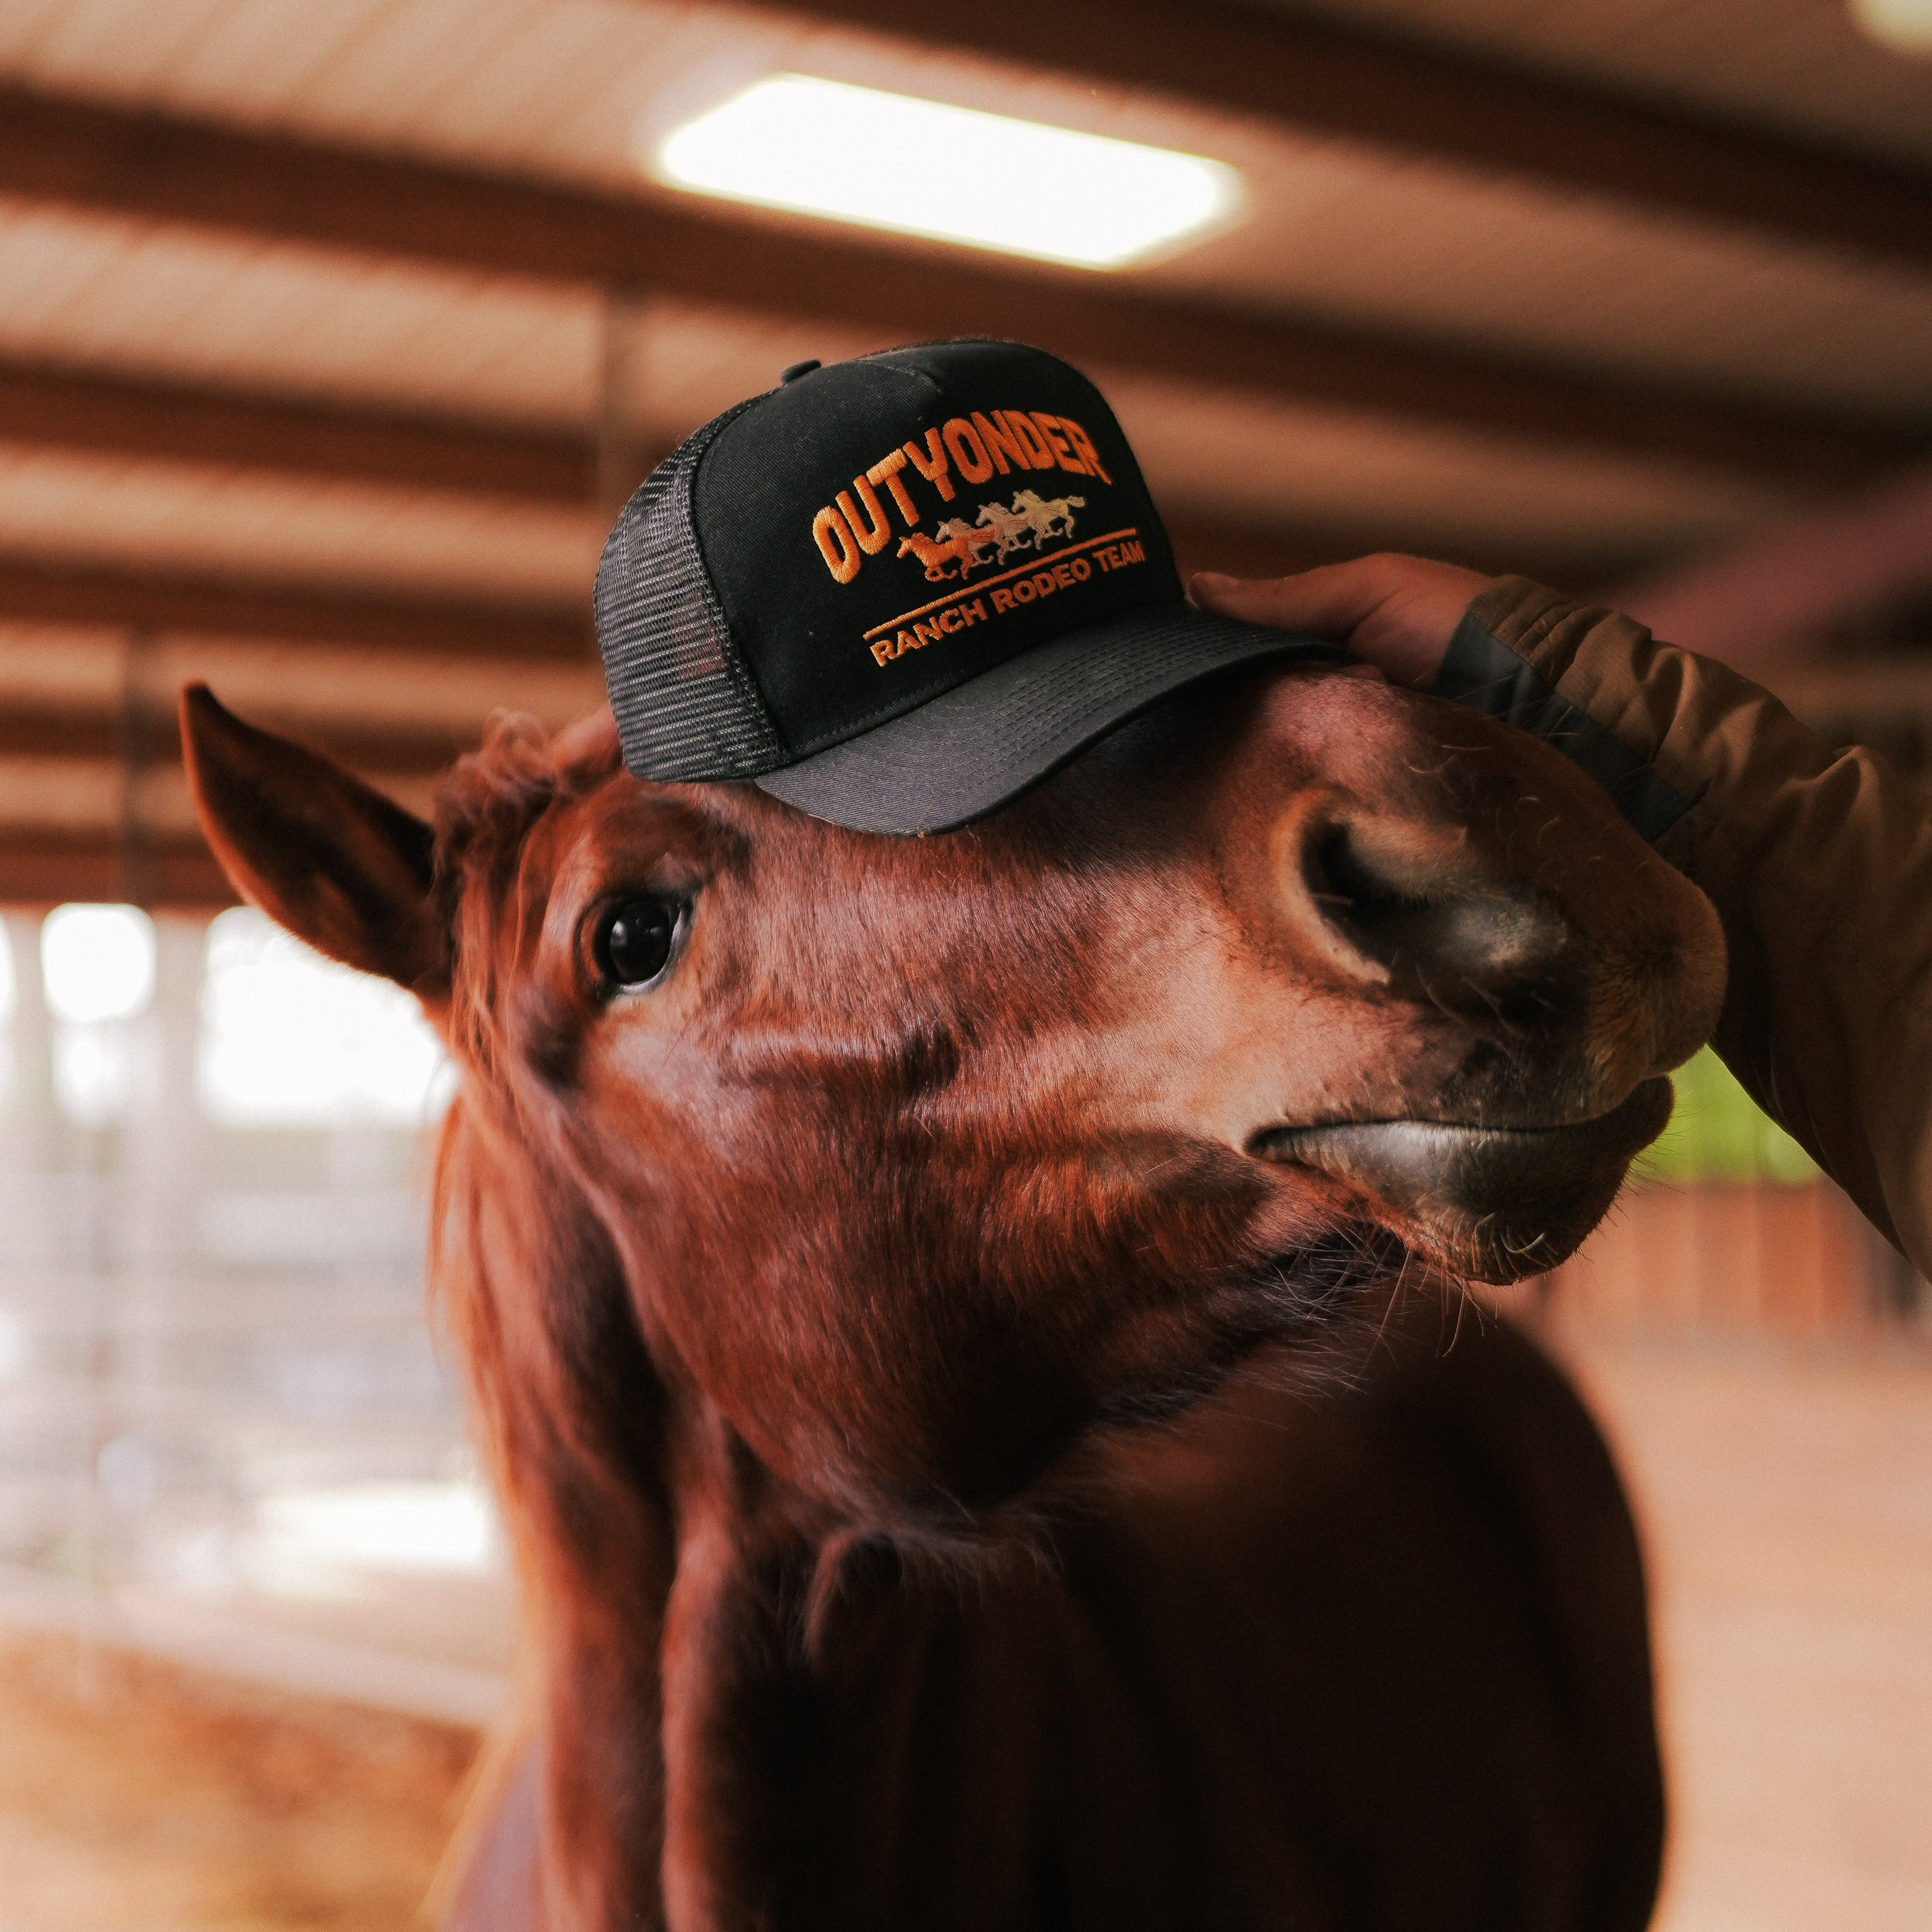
(320, 852)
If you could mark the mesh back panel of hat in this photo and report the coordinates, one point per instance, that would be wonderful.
(685, 704)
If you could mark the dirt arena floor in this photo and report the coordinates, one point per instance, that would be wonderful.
(135, 1796)
(1785, 1494)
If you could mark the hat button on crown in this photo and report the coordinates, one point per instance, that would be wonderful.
(799, 369)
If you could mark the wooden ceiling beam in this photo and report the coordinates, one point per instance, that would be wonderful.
(39, 591)
(133, 417)
(119, 416)
(109, 413)
(276, 186)
(1443, 105)
(38, 729)
(39, 869)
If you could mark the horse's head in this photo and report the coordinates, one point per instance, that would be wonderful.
(906, 1160)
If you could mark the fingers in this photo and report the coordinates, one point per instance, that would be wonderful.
(1329, 601)
(1396, 612)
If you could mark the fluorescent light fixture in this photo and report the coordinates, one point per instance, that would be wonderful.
(919, 167)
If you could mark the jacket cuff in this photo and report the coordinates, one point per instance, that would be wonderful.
(1516, 643)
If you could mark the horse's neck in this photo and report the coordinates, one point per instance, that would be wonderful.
(940, 1734)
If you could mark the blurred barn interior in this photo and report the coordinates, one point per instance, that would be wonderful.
(332, 335)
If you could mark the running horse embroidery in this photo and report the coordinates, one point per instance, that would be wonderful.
(956, 541)
(1030, 522)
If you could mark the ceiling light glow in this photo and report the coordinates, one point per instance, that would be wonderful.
(919, 167)
(1904, 25)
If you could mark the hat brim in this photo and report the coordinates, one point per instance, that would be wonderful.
(973, 749)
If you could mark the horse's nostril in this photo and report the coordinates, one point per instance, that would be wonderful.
(1444, 925)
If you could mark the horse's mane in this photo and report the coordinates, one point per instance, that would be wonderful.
(567, 1408)
(527, 1284)
(505, 1213)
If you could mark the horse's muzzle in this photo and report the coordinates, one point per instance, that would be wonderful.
(1494, 1203)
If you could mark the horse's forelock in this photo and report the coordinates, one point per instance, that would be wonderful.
(491, 797)
(486, 809)
(489, 800)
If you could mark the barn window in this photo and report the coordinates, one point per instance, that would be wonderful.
(97, 967)
(291, 1039)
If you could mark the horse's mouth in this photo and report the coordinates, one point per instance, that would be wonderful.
(1495, 1203)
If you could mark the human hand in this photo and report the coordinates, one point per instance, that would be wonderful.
(1396, 613)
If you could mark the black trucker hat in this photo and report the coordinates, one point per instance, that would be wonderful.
(898, 591)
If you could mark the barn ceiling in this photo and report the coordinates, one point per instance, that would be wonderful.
(332, 330)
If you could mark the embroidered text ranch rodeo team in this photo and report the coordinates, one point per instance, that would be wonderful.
(856, 525)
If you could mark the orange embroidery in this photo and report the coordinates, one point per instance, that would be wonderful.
(962, 442)
(1056, 441)
(1122, 546)
(887, 471)
(856, 526)
(930, 463)
(833, 536)
(872, 536)
(1084, 443)
(1021, 427)
(957, 542)
(999, 440)
(1063, 576)
(929, 630)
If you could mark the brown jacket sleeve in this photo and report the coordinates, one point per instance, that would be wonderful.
(1819, 862)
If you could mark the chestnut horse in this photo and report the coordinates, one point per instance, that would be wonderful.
(956, 1325)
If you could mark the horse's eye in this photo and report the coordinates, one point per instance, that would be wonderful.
(634, 940)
